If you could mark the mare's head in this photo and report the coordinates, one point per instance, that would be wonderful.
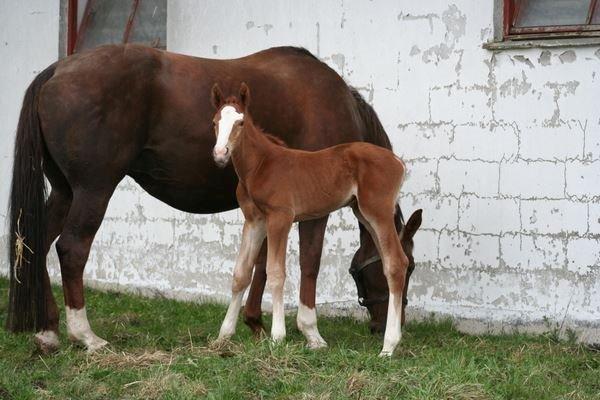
(367, 271)
(228, 121)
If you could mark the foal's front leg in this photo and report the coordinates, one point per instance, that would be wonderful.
(253, 235)
(278, 229)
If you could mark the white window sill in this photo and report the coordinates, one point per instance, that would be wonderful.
(541, 43)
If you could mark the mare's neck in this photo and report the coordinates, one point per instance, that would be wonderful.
(251, 151)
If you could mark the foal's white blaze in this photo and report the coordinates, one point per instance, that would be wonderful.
(228, 117)
(79, 329)
(307, 324)
(393, 329)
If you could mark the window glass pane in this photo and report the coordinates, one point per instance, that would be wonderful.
(150, 24)
(596, 14)
(551, 12)
(105, 23)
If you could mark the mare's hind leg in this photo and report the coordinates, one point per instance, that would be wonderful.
(73, 247)
(278, 228)
(253, 236)
(57, 207)
(253, 307)
(380, 223)
(311, 246)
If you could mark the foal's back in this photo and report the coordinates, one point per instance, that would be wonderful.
(317, 183)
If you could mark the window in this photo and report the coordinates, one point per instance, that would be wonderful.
(95, 22)
(534, 19)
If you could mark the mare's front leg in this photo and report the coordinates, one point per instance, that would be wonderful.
(278, 229)
(253, 235)
(311, 246)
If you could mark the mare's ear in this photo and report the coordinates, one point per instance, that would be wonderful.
(244, 95)
(216, 97)
(413, 224)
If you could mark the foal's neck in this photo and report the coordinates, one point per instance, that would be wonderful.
(251, 151)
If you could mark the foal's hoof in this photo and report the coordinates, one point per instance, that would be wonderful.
(46, 341)
(386, 354)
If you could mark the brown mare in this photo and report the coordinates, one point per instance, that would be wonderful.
(93, 118)
(279, 186)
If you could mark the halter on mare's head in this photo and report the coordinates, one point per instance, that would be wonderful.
(367, 270)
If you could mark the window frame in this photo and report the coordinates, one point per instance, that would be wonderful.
(75, 33)
(510, 32)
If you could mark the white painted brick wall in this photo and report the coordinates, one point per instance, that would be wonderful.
(503, 151)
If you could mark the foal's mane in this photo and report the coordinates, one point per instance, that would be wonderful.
(271, 138)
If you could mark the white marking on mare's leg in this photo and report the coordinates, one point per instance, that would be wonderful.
(307, 324)
(47, 341)
(79, 330)
(393, 328)
(230, 321)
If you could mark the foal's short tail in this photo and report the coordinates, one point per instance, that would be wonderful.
(26, 296)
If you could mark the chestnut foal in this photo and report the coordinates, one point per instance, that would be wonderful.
(278, 186)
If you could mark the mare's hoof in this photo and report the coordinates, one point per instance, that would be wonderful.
(46, 341)
(95, 344)
(256, 326)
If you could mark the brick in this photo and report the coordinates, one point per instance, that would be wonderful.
(532, 179)
(583, 255)
(592, 141)
(554, 216)
(594, 218)
(438, 212)
(459, 105)
(460, 250)
(551, 143)
(458, 177)
(488, 216)
(426, 246)
(414, 141)
(477, 143)
(532, 252)
(420, 177)
(583, 179)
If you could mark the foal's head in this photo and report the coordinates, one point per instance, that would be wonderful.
(228, 121)
(367, 270)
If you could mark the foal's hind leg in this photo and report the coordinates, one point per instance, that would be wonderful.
(253, 235)
(73, 247)
(380, 223)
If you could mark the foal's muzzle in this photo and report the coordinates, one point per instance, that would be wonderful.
(221, 156)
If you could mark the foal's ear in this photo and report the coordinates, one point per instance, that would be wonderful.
(216, 96)
(412, 225)
(245, 95)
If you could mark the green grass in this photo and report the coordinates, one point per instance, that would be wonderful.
(163, 349)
